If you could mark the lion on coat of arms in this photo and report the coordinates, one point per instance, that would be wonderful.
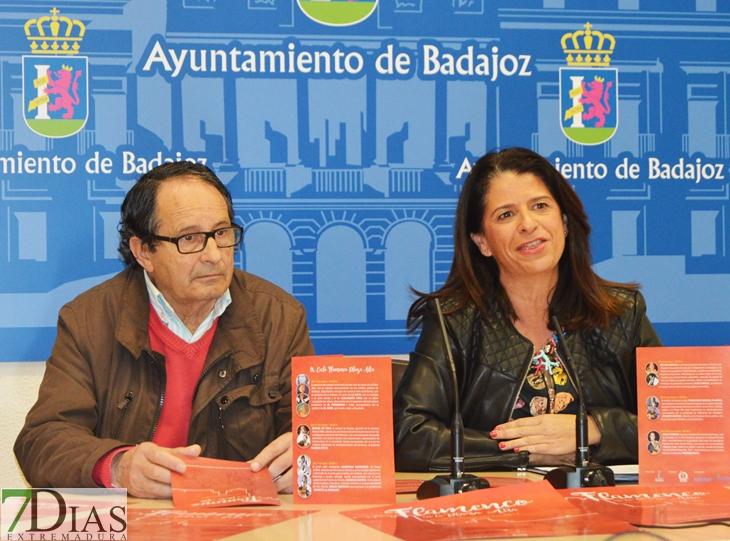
(59, 82)
(591, 97)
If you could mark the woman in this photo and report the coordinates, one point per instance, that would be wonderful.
(654, 447)
(521, 255)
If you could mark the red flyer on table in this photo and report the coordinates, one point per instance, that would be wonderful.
(208, 482)
(684, 415)
(653, 506)
(342, 430)
(529, 510)
(204, 525)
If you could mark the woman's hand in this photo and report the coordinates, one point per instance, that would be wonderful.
(548, 438)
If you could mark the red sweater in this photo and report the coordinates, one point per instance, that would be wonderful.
(183, 365)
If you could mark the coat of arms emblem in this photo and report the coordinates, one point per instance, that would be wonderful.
(588, 87)
(55, 77)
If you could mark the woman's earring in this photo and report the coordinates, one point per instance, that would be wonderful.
(486, 252)
(565, 232)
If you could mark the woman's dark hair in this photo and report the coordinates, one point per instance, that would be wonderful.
(580, 300)
(139, 209)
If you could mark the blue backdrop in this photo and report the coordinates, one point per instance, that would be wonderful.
(344, 131)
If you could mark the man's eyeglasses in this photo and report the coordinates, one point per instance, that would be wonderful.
(192, 243)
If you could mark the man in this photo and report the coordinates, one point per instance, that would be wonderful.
(179, 354)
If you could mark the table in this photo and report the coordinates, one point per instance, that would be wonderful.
(327, 524)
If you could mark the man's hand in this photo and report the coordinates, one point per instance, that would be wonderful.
(145, 469)
(544, 436)
(278, 457)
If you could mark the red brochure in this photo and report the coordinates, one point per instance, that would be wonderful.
(342, 430)
(208, 482)
(204, 525)
(653, 506)
(684, 415)
(529, 510)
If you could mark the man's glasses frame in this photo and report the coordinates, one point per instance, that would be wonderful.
(237, 236)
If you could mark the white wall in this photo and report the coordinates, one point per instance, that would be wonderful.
(19, 383)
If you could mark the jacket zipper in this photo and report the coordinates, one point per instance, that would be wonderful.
(562, 336)
(522, 382)
(163, 384)
(123, 406)
(200, 379)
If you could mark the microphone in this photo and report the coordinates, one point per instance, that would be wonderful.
(458, 481)
(585, 473)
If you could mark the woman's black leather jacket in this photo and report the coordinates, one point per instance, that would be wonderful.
(492, 360)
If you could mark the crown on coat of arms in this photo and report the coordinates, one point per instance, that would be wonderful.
(588, 48)
(47, 36)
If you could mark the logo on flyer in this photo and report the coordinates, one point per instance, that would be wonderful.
(55, 78)
(338, 12)
(72, 514)
(588, 87)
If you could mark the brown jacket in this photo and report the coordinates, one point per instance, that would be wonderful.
(104, 386)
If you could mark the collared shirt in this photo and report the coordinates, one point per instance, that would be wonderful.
(173, 322)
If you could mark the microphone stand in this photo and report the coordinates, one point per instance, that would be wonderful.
(585, 473)
(458, 481)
